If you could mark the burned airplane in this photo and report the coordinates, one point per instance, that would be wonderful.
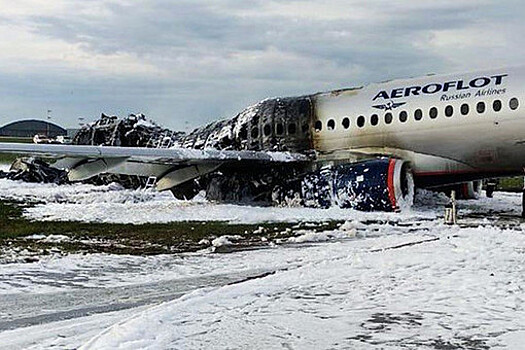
(365, 148)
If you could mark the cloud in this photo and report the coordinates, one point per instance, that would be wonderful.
(195, 61)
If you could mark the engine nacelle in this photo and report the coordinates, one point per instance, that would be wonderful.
(373, 185)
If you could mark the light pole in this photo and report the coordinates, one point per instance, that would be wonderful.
(48, 119)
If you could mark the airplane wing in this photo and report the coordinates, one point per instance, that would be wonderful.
(171, 166)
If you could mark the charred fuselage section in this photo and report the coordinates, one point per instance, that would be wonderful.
(280, 124)
(133, 131)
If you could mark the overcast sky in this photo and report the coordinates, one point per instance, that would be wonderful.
(184, 63)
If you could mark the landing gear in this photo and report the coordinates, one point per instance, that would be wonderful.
(490, 187)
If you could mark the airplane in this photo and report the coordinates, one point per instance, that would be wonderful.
(365, 148)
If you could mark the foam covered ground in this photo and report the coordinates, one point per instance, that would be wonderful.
(113, 204)
(379, 281)
(464, 290)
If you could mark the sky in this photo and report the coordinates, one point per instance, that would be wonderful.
(186, 63)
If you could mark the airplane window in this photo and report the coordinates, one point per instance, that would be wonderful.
(514, 104)
(292, 128)
(267, 130)
(346, 122)
(388, 118)
(304, 128)
(496, 105)
(361, 121)
(465, 109)
(418, 114)
(318, 126)
(331, 124)
(449, 110)
(433, 112)
(480, 107)
(255, 133)
(243, 134)
(403, 116)
(374, 119)
(279, 129)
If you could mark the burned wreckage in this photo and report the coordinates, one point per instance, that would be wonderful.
(273, 125)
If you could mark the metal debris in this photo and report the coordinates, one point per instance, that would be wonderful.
(133, 131)
(34, 170)
(279, 124)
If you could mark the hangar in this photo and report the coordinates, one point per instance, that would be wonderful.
(31, 127)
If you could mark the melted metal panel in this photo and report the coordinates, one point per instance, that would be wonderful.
(279, 124)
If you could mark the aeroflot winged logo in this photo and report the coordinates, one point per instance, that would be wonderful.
(389, 105)
(458, 86)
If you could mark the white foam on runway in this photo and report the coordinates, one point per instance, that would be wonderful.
(113, 204)
(465, 288)
(401, 281)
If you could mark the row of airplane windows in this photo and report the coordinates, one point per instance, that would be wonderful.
(433, 113)
(279, 129)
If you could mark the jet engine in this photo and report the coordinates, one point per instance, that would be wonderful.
(373, 185)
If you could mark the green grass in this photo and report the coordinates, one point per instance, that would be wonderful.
(128, 238)
(8, 158)
(16, 139)
(511, 184)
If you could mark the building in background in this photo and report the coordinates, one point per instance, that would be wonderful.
(30, 128)
(72, 132)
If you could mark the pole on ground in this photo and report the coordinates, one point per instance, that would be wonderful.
(523, 199)
(451, 210)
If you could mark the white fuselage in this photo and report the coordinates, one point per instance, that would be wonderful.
(484, 142)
